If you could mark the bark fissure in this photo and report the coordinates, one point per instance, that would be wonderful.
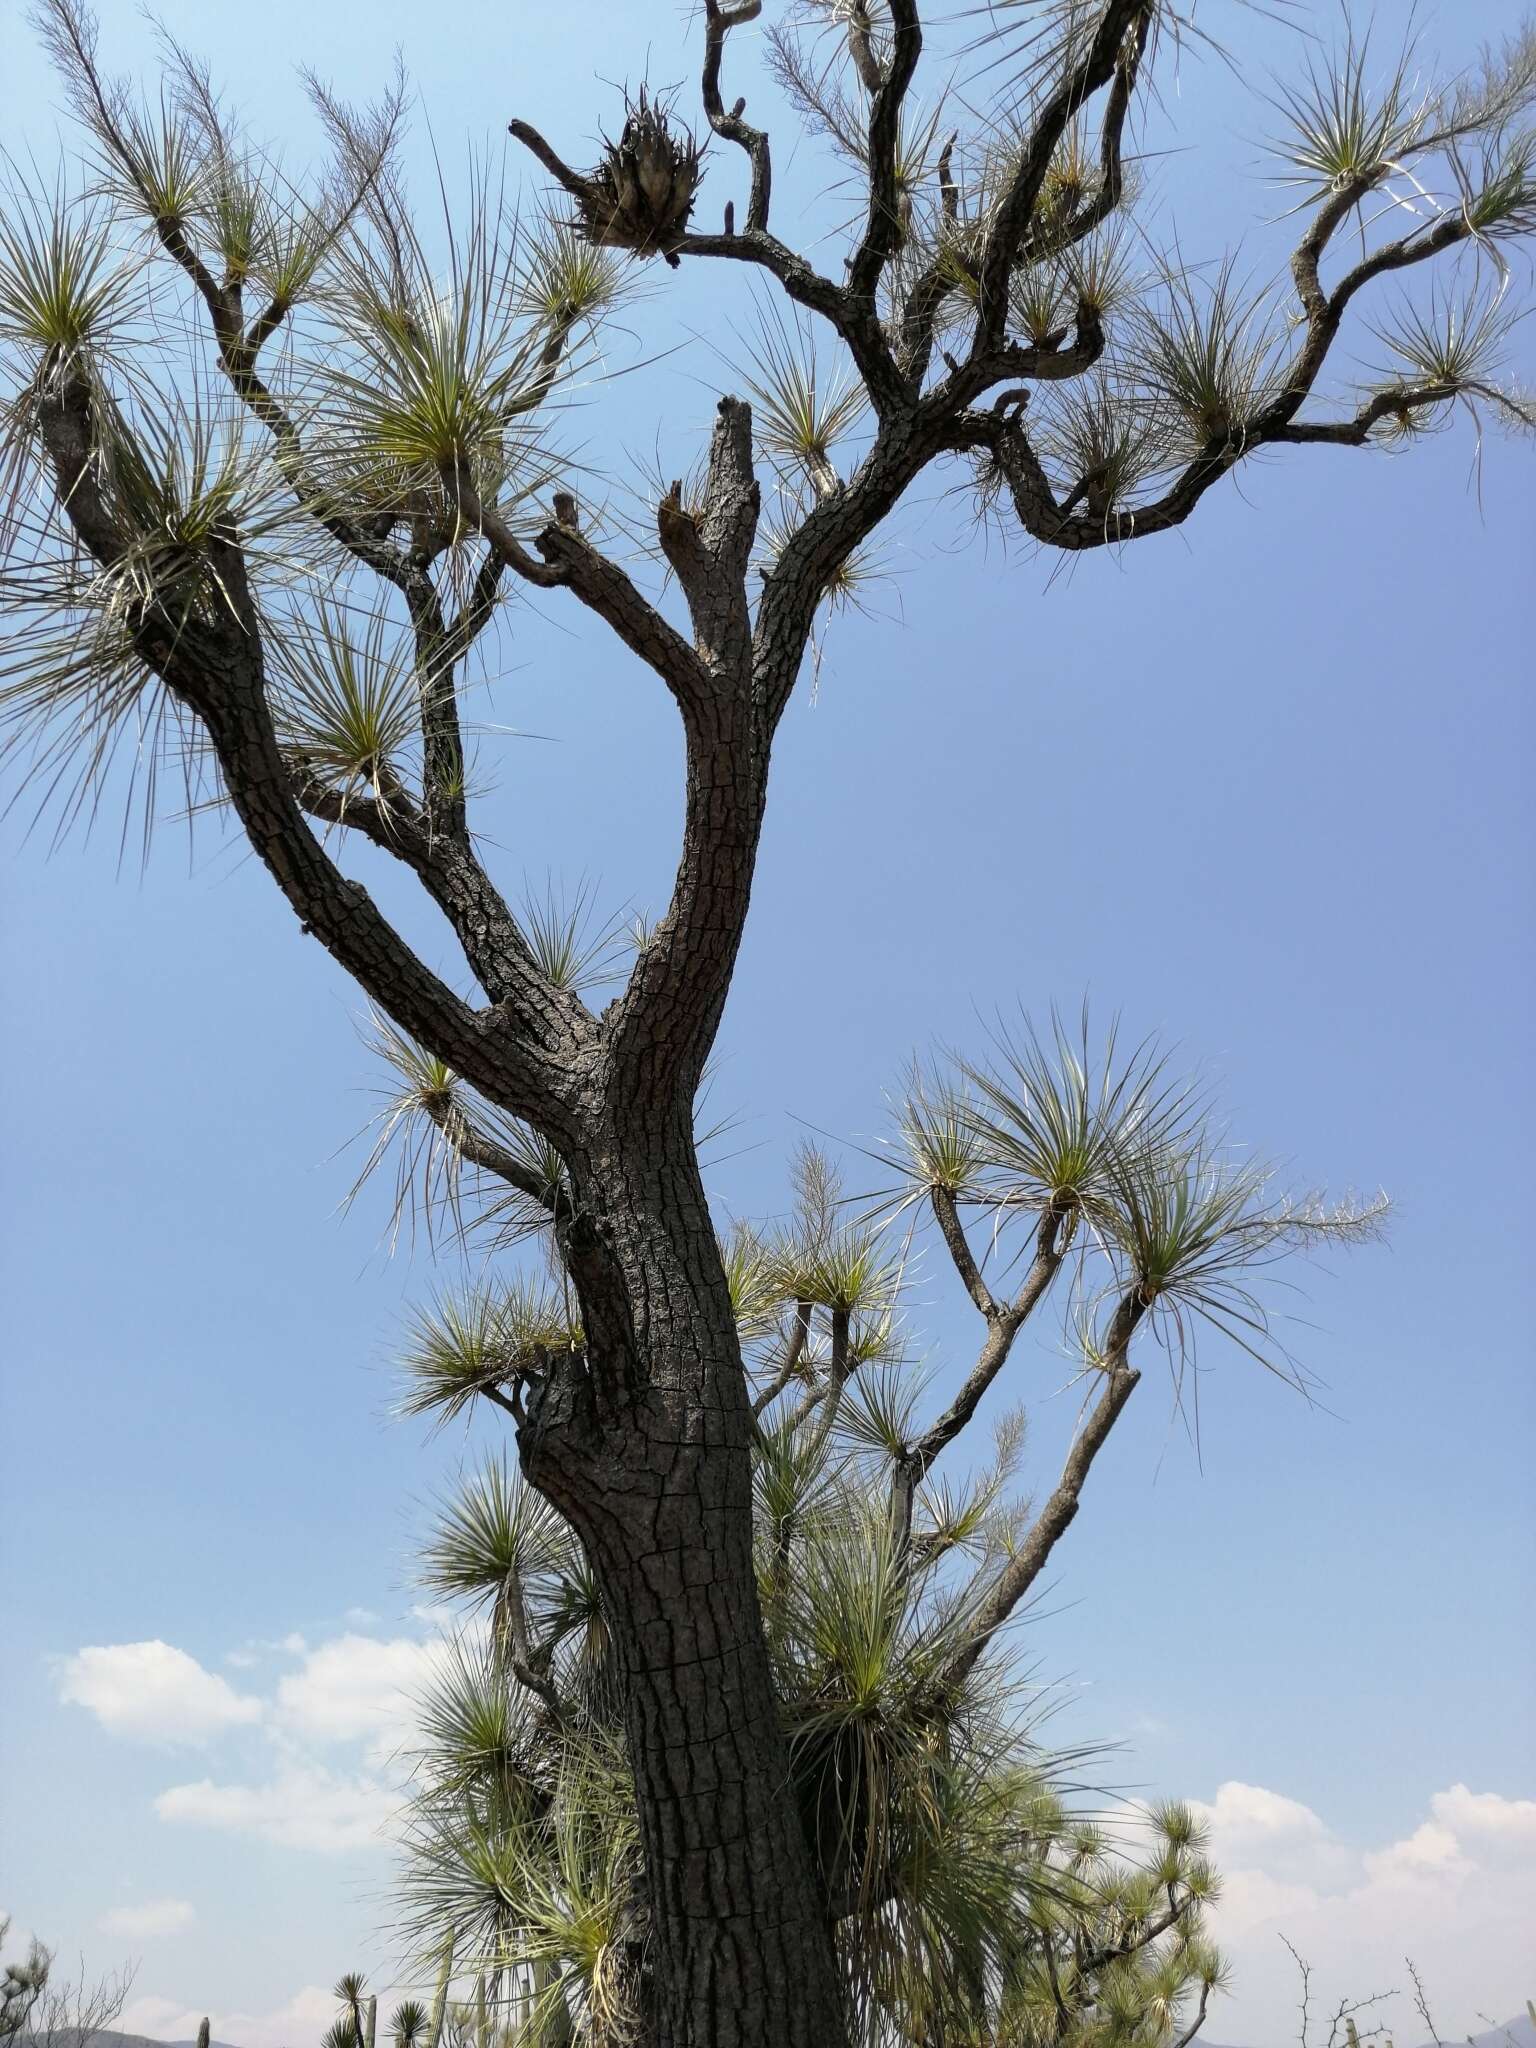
(644, 1444)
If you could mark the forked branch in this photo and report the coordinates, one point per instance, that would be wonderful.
(728, 123)
(1119, 1382)
(883, 226)
(1117, 39)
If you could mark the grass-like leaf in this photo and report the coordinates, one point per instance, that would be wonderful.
(1207, 351)
(1457, 344)
(1104, 443)
(802, 409)
(418, 1122)
(1348, 120)
(493, 1528)
(346, 705)
(574, 950)
(434, 377)
(1195, 1231)
(465, 1345)
(1052, 1118)
(566, 279)
(66, 290)
(176, 478)
(854, 579)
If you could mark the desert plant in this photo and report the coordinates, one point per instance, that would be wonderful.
(970, 1900)
(45, 2010)
(22, 1985)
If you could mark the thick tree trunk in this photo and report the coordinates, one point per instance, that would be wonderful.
(644, 1446)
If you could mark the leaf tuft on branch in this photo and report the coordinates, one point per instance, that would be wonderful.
(640, 196)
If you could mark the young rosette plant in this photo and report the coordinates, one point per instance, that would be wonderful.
(973, 1899)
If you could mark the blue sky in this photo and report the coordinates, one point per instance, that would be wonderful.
(1261, 787)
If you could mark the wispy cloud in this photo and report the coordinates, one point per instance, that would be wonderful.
(153, 1692)
(304, 1807)
(154, 1917)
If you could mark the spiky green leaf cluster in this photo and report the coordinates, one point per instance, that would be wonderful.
(959, 1879)
(484, 1341)
(803, 409)
(65, 287)
(1118, 1169)
(971, 1900)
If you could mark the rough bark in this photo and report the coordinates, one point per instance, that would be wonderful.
(643, 1443)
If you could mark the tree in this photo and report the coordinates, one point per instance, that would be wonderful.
(40, 2009)
(271, 544)
(969, 1902)
(22, 1985)
(1345, 2031)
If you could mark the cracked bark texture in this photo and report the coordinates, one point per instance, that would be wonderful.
(645, 1446)
(644, 1443)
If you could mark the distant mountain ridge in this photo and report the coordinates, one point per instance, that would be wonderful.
(70, 2037)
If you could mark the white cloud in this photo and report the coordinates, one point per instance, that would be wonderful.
(357, 1688)
(303, 1807)
(1260, 1830)
(153, 1917)
(304, 2017)
(162, 2019)
(1457, 1893)
(154, 1692)
(1497, 1825)
(1249, 1812)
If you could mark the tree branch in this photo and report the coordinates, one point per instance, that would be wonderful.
(794, 1351)
(856, 321)
(668, 1013)
(947, 1215)
(858, 325)
(1325, 310)
(486, 520)
(1021, 1571)
(1393, 404)
(1003, 1326)
(861, 47)
(829, 1392)
(1199, 2020)
(1011, 223)
(718, 22)
(883, 229)
(711, 553)
(580, 188)
(520, 1053)
(484, 1153)
(238, 346)
(604, 588)
(1034, 501)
